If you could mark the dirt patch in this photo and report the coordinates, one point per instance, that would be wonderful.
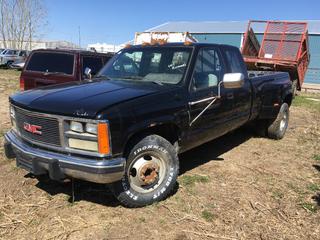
(236, 187)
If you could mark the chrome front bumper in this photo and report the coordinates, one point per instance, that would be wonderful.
(59, 166)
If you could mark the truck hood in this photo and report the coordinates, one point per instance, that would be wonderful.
(81, 99)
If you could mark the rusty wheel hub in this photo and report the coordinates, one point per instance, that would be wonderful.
(148, 173)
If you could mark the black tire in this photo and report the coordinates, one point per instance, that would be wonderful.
(154, 154)
(9, 64)
(277, 128)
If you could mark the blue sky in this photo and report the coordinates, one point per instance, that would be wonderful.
(116, 22)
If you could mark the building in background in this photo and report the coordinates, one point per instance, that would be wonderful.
(231, 33)
(41, 44)
(104, 47)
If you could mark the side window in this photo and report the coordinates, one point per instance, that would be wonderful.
(208, 69)
(51, 62)
(94, 63)
(233, 56)
(155, 63)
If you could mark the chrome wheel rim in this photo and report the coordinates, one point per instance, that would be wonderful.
(283, 122)
(146, 172)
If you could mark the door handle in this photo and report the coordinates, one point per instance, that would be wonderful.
(230, 96)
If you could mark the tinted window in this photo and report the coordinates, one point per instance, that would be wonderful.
(94, 63)
(51, 62)
(234, 60)
(11, 52)
(22, 53)
(208, 70)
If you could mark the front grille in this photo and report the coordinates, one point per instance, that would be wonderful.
(49, 127)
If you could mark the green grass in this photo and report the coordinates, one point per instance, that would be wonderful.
(309, 207)
(313, 187)
(162, 221)
(191, 180)
(2, 133)
(277, 194)
(296, 189)
(305, 102)
(9, 80)
(316, 157)
(208, 216)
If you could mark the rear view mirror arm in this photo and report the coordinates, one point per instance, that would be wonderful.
(213, 99)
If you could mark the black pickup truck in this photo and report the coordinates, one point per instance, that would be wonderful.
(148, 104)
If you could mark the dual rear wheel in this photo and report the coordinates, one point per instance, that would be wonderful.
(274, 128)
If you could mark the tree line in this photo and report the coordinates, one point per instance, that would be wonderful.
(21, 22)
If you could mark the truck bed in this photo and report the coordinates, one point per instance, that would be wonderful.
(254, 74)
(279, 46)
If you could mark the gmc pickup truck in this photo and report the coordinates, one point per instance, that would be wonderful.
(127, 126)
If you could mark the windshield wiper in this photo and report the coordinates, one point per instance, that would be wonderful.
(132, 77)
(102, 76)
(156, 82)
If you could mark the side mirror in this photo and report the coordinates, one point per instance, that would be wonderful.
(87, 73)
(233, 80)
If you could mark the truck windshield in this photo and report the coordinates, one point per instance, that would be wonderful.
(161, 65)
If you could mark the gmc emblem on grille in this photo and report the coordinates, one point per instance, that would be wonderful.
(32, 128)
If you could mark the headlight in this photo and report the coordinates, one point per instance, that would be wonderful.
(91, 128)
(76, 126)
(83, 144)
(89, 136)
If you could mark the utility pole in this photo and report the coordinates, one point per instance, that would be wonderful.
(79, 37)
(30, 33)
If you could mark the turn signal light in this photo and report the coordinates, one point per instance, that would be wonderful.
(103, 138)
(21, 84)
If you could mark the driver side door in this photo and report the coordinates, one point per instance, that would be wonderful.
(209, 116)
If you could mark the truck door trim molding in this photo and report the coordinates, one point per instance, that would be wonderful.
(205, 109)
(201, 101)
(214, 98)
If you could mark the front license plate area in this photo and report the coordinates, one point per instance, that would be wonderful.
(24, 162)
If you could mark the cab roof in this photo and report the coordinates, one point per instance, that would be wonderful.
(73, 51)
(181, 44)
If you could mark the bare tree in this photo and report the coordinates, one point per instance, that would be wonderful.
(21, 22)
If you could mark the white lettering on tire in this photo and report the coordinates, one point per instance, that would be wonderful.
(161, 191)
(150, 147)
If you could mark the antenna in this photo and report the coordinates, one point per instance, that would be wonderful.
(79, 37)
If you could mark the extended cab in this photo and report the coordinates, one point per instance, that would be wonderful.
(148, 104)
(52, 66)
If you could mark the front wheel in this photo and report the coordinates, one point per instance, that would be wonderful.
(9, 63)
(151, 173)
